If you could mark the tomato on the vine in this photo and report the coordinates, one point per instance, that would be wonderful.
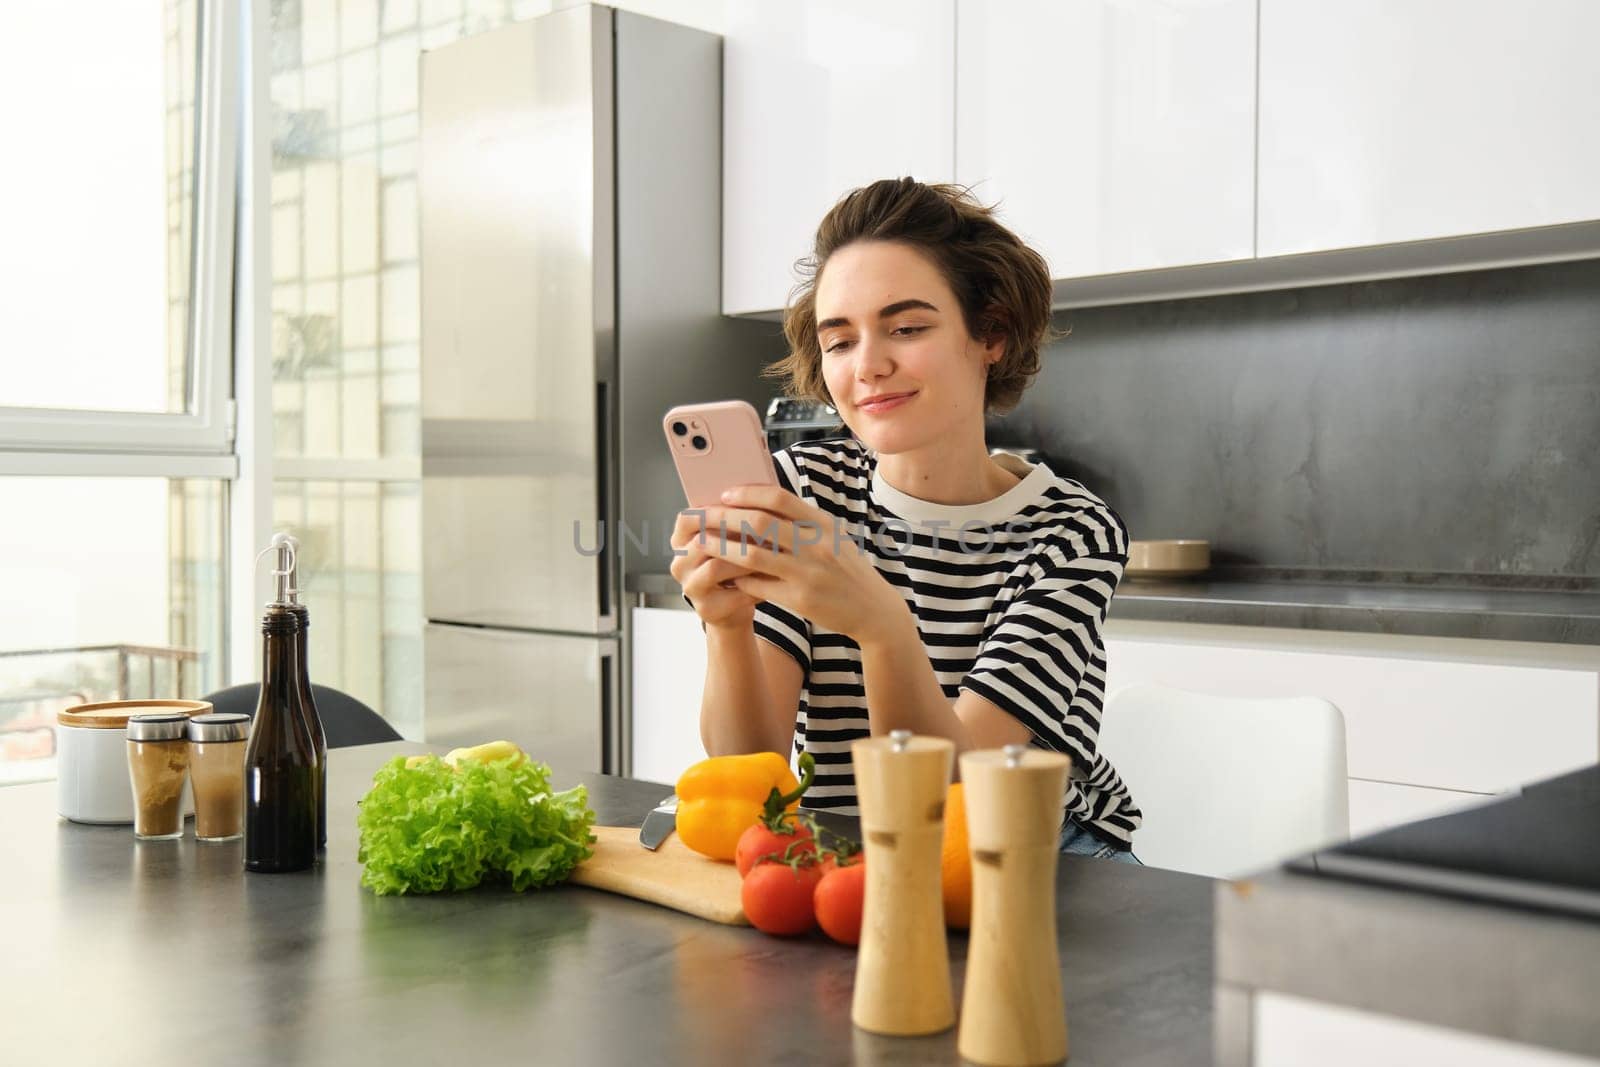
(831, 859)
(778, 831)
(760, 841)
(838, 902)
(777, 896)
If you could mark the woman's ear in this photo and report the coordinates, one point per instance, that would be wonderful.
(991, 333)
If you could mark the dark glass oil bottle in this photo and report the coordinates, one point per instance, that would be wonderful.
(308, 707)
(283, 776)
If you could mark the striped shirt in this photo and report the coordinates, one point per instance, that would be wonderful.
(1009, 597)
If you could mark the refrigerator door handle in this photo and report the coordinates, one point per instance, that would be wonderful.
(607, 537)
(610, 761)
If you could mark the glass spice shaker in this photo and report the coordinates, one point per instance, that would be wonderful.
(216, 770)
(158, 766)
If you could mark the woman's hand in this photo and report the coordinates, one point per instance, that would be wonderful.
(702, 575)
(806, 563)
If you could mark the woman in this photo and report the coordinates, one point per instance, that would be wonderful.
(906, 579)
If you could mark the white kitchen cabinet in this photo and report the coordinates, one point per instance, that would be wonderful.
(820, 98)
(669, 676)
(1384, 122)
(1434, 723)
(1288, 1031)
(1115, 136)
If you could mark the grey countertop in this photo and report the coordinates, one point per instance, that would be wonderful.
(1518, 975)
(167, 953)
(1556, 610)
(1564, 612)
(1472, 961)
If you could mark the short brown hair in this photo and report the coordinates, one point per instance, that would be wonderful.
(1002, 285)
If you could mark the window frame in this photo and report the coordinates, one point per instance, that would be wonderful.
(39, 440)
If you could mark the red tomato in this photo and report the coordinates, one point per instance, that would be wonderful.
(831, 861)
(838, 902)
(758, 841)
(777, 897)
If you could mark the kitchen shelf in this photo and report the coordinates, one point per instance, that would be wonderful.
(1521, 608)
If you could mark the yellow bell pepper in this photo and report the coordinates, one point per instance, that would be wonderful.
(722, 797)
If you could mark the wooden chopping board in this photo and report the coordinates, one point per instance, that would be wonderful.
(674, 875)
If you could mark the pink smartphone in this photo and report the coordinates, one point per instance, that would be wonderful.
(717, 446)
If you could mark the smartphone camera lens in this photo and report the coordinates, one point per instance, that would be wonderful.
(679, 428)
(698, 442)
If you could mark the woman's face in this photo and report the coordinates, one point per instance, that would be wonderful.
(896, 356)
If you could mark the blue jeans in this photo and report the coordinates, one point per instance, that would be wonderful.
(1076, 841)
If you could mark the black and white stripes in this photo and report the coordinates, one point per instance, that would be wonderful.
(1009, 596)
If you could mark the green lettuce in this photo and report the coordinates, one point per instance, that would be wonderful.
(431, 827)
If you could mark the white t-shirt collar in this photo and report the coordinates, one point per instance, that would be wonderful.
(991, 512)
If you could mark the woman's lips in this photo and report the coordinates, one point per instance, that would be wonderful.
(878, 407)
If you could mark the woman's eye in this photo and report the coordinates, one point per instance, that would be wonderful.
(907, 331)
(837, 346)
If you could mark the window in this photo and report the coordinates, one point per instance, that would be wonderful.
(346, 319)
(75, 237)
(115, 592)
(115, 444)
(120, 233)
(361, 576)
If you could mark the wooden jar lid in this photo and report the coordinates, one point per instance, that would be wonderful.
(113, 714)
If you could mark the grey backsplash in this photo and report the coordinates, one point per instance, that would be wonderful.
(1438, 425)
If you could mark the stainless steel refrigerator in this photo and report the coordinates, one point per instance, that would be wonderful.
(570, 201)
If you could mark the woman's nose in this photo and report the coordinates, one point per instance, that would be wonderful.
(872, 360)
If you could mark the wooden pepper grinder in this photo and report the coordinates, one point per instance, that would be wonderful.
(903, 965)
(1011, 1009)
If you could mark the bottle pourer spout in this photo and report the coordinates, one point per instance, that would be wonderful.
(285, 560)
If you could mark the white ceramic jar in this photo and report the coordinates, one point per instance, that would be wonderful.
(92, 783)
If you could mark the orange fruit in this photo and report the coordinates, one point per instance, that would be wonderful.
(955, 862)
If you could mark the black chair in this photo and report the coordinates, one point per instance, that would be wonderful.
(345, 719)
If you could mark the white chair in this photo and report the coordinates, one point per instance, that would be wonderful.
(1228, 785)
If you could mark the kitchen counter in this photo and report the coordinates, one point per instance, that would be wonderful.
(1555, 610)
(1500, 972)
(1485, 922)
(167, 952)
(1564, 611)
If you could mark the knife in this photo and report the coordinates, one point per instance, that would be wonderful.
(659, 823)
